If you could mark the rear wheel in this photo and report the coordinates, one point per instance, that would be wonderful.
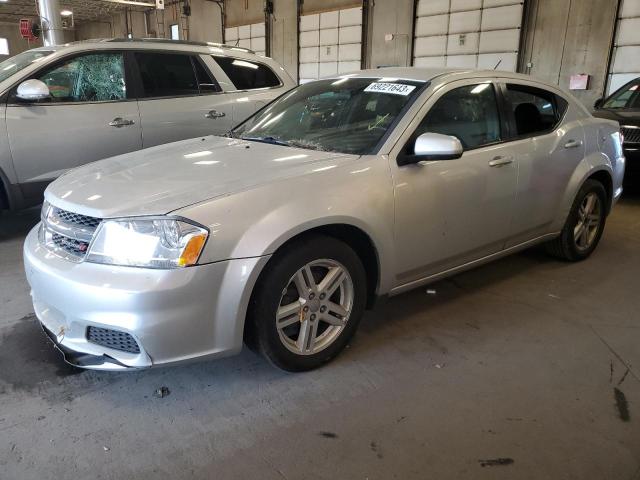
(307, 304)
(584, 225)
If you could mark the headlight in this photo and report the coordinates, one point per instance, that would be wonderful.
(151, 242)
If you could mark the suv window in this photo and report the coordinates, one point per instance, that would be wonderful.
(206, 82)
(469, 113)
(94, 77)
(166, 75)
(626, 97)
(247, 75)
(535, 111)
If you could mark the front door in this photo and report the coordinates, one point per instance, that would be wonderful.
(451, 212)
(88, 117)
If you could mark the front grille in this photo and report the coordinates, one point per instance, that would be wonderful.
(114, 339)
(67, 233)
(631, 135)
(70, 245)
(76, 218)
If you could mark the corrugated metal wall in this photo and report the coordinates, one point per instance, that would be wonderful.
(468, 33)
(625, 64)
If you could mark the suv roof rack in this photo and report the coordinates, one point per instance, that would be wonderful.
(182, 42)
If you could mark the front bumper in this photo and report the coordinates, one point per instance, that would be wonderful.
(632, 156)
(173, 315)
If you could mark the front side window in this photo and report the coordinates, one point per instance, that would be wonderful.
(535, 111)
(347, 115)
(246, 75)
(469, 113)
(96, 77)
(166, 75)
(627, 97)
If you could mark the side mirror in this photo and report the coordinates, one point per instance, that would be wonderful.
(32, 90)
(433, 146)
(598, 103)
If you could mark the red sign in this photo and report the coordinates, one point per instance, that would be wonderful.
(26, 29)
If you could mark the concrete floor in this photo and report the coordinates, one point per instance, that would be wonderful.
(519, 359)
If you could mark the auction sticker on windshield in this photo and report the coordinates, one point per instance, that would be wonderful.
(394, 88)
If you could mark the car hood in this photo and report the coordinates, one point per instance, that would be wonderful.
(625, 117)
(161, 179)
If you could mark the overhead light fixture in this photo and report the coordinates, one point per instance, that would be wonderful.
(64, 13)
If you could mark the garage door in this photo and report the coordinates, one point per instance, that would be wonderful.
(625, 65)
(247, 36)
(330, 43)
(467, 33)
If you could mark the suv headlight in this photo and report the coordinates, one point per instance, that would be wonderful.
(147, 242)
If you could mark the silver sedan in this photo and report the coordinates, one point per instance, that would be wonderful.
(342, 190)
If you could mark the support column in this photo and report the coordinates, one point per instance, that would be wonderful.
(52, 33)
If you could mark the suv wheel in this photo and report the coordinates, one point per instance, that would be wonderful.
(584, 225)
(307, 304)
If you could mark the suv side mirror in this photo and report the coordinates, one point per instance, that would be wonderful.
(32, 90)
(598, 103)
(433, 146)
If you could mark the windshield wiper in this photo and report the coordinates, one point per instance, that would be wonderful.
(272, 140)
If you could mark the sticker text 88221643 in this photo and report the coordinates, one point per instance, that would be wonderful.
(393, 88)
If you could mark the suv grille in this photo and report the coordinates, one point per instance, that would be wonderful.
(631, 135)
(66, 233)
(114, 339)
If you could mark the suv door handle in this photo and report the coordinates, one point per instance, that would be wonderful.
(573, 144)
(500, 161)
(214, 114)
(120, 122)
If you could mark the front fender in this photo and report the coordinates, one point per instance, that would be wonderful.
(258, 221)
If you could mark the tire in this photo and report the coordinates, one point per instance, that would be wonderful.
(302, 338)
(578, 239)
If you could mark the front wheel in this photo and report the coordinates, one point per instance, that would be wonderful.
(584, 225)
(307, 304)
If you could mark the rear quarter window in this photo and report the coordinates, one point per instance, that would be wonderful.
(247, 75)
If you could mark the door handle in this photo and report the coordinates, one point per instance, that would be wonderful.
(573, 144)
(500, 161)
(214, 114)
(119, 122)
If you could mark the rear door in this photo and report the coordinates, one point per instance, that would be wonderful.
(548, 144)
(90, 115)
(179, 98)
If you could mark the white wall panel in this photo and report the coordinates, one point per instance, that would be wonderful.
(468, 33)
(330, 43)
(625, 65)
(250, 36)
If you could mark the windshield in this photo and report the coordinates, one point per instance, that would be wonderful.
(20, 61)
(346, 115)
(627, 97)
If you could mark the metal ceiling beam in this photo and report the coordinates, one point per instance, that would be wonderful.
(133, 2)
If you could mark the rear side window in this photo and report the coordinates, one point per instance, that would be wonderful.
(535, 111)
(166, 75)
(469, 113)
(206, 82)
(247, 75)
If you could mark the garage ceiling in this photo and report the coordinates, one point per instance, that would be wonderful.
(83, 10)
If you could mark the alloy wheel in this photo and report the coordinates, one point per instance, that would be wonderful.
(589, 219)
(315, 307)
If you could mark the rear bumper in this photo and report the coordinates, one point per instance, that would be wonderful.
(173, 315)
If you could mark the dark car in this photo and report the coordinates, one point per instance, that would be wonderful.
(624, 106)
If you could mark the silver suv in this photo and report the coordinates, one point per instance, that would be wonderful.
(72, 104)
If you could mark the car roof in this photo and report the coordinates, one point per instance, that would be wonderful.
(423, 74)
